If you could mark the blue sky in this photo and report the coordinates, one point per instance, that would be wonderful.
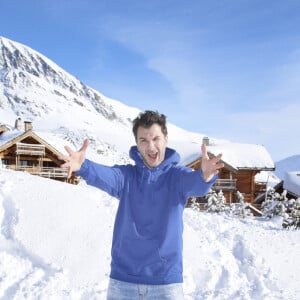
(227, 69)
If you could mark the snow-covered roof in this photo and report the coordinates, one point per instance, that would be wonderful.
(244, 156)
(267, 176)
(9, 135)
(240, 156)
(2, 125)
(52, 140)
(292, 182)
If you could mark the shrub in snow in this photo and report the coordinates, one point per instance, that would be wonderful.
(216, 202)
(240, 209)
(194, 204)
(295, 212)
(291, 223)
(275, 204)
(293, 220)
(279, 205)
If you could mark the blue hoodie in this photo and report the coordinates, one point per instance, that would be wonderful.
(147, 238)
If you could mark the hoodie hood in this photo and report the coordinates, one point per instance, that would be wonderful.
(171, 157)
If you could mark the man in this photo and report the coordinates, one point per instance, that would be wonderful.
(147, 238)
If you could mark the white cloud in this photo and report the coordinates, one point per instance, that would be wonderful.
(240, 88)
(276, 129)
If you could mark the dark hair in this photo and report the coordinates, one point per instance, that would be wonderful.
(147, 119)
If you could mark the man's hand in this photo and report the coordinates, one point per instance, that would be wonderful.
(75, 159)
(210, 167)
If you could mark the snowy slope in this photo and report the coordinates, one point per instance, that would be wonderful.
(33, 87)
(55, 244)
(36, 89)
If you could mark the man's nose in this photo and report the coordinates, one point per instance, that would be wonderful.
(151, 145)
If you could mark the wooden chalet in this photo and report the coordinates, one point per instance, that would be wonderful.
(27, 151)
(241, 163)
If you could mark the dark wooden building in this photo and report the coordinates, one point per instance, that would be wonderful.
(242, 162)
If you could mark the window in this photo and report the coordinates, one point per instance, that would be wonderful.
(4, 162)
(24, 163)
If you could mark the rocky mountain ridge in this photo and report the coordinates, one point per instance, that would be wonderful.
(33, 86)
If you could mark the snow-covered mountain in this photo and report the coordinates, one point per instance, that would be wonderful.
(35, 88)
(288, 164)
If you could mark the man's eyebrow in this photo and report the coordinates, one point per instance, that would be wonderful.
(152, 138)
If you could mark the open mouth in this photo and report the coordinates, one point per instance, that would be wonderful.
(152, 156)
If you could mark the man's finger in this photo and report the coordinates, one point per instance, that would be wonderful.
(69, 173)
(85, 145)
(65, 165)
(63, 157)
(216, 159)
(204, 150)
(219, 166)
(69, 150)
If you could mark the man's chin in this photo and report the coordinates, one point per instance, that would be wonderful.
(152, 164)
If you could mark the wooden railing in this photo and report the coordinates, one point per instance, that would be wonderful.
(42, 171)
(225, 184)
(51, 172)
(30, 149)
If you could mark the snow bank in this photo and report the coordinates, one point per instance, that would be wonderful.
(55, 244)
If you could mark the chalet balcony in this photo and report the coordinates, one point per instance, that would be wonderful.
(51, 172)
(42, 171)
(225, 185)
(30, 149)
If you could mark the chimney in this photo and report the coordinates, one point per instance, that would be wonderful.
(205, 140)
(19, 124)
(28, 125)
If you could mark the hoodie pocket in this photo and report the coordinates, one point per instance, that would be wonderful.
(140, 257)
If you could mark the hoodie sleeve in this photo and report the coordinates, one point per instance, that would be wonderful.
(108, 179)
(192, 183)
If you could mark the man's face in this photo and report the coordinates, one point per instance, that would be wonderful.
(152, 144)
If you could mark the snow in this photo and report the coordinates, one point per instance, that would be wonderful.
(243, 156)
(292, 182)
(55, 244)
(7, 136)
(236, 155)
(27, 51)
(267, 176)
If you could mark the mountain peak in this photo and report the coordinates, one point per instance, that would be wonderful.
(34, 86)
